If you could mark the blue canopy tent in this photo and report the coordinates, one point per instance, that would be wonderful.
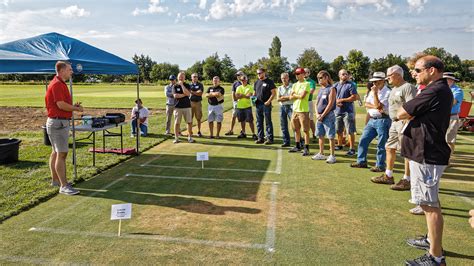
(39, 54)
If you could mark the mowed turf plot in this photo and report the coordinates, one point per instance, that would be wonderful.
(251, 204)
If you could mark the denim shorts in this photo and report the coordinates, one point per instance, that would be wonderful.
(327, 127)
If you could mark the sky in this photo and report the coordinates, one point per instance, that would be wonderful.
(185, 31)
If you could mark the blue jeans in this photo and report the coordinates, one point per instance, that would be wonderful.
(374, 128)
(264, 111)
(143, 128)
(285, 115)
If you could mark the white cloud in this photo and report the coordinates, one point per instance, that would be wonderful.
(5, 2)
(234, 33)
(74, 12)
(154, 7)
(202, 4)
(379, 4)
(221, 9)
(331, 13)
(416, 5)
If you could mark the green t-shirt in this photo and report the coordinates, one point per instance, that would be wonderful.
(243, 103)
(312, 86)
(301, 105)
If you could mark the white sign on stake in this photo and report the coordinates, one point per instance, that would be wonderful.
(120, 212)
(202, 156)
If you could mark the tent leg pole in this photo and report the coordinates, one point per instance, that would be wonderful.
(138, 127)
(74, 159)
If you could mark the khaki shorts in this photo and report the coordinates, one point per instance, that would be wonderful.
(300, 120)
(58, 133)
(196, 110)
(454, 124)
(395, 135)
(425, 183)
(183, 112)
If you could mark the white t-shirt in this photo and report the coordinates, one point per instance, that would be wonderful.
(383, 94)
(143, 113)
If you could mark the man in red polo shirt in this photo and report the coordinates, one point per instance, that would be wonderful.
(59, 106)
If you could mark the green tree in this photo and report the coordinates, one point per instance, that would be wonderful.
(195, 68)
(275, 49)
(145, 65)
(312, 60)
(383, 63)
(211, 67)
(452, 63)
(358, 65)
(337, 64)
(228, 69)
(162, 71)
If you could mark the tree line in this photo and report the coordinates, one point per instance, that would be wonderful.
(358, 64)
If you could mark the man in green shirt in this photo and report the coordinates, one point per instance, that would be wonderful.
(244, 106)
(300, 119)
(312, 86)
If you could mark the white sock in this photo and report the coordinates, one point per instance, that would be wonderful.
(438, 259)
(388, 173)
(407, 177)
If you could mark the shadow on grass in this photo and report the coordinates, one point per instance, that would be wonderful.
(457, 255)
(453, 192)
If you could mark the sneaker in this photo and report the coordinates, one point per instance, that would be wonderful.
(359, 165)
(268, 142)
(377, 169)
(338, 148)
(242, 136)
(318, 156)
(294, 149)
(229, 133)
(285, 145)
(331, 159)
(217, 137)
(254, 137)
(68, 190)
(55, 184)
(211, 137)
(259, 141)
(420, 242)
(305, 152)
(417, 211)
(176, 141)
(132, 135)
(427, 260)
(191, 140)
(403, 184)
(383, 179)
(199, 134)
(351, 152)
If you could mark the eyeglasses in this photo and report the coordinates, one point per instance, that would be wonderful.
(258, 73)
(417, 70)
(321, 78)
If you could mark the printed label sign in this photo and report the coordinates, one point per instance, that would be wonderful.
(121, 211)
(202, 156)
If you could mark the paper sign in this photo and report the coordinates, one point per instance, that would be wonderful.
(202, 156)
(121, 211)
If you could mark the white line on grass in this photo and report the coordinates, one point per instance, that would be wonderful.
(60, 213)
(270, 242)
(204, 179)
(152, 159)
(465, 198)
(151, 237)
(208, 168)
(279, 161)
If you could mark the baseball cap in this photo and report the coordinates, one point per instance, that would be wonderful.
(299, 70)
(450, 75)
(377, 76)
(172, 77)
(239, 73)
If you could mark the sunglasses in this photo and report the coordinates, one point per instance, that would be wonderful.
(417, 70)
(321, 78)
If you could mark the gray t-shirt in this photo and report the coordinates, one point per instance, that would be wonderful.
(399, 96)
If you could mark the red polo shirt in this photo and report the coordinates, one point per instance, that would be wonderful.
(57, 91)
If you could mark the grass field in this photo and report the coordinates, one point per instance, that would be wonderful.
(251, 204)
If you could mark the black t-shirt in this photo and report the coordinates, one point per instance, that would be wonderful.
(215, 100)
(235, 85)
(424, 138)
(263, 90)
(196, 87)
(182, 102)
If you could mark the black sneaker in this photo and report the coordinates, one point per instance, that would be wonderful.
(268, 142)
(419, 242)
(242, 136)
(359, 165)
(199, 134)
(305, 152)
(338, 148)
(427, 260)
(351, 152)
(285, 145)
(259, 141)
(254, 137)
(294, 149)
